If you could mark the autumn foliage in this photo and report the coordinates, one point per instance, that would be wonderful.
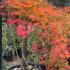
(50, 24)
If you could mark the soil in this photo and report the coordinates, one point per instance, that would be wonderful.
(11, 64)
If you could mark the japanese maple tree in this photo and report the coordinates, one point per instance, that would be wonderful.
(50, 24)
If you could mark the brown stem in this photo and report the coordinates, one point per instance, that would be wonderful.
(24, 53)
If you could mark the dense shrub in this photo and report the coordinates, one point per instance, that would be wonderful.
(51, 25)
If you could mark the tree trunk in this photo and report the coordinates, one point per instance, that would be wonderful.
(24, 53)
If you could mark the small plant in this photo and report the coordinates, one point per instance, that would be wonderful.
(8, 54)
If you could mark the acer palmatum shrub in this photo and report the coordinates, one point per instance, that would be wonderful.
(50, 25)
